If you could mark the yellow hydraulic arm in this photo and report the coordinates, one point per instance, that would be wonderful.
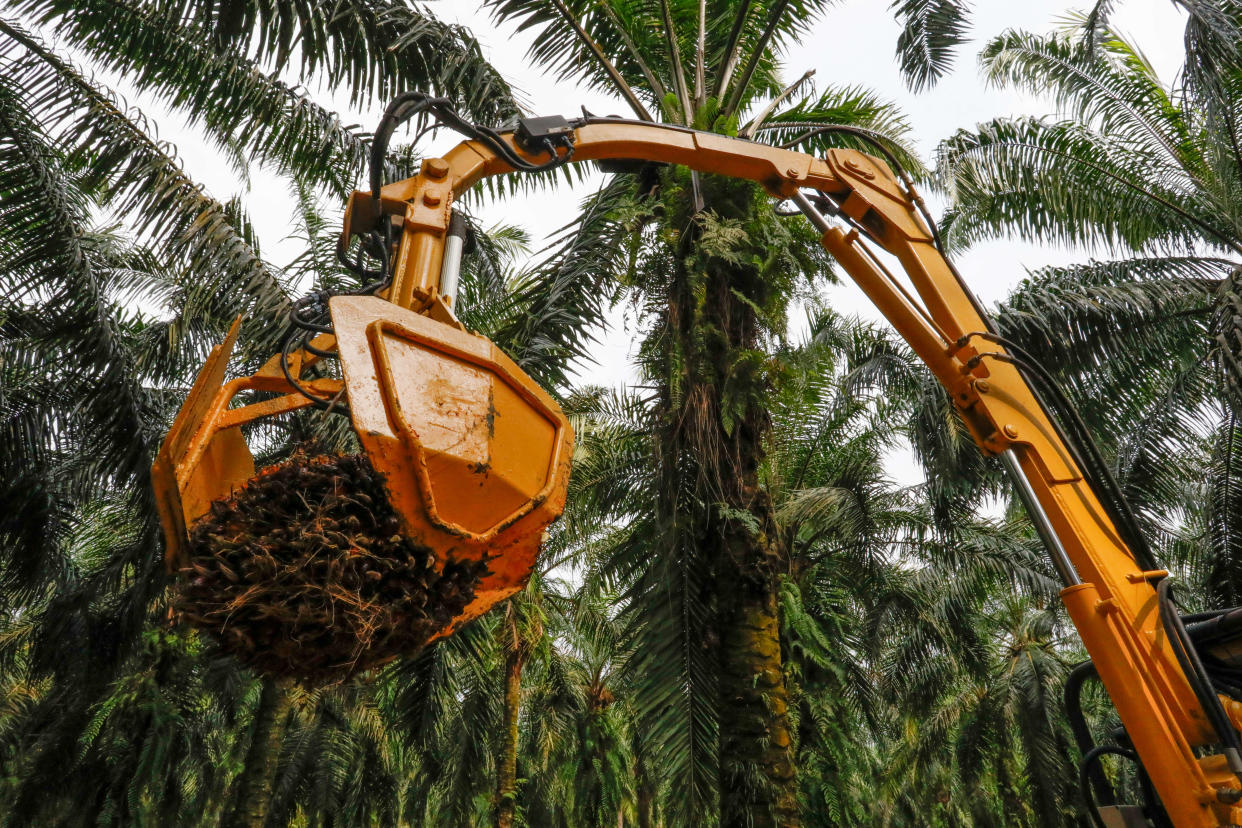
(475, 455)
(1111, 598)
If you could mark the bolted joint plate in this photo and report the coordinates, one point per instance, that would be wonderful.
(475, 455)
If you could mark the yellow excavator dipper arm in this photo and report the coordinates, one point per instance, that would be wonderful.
(1114, 600)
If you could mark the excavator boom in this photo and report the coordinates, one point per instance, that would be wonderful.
(413, 376)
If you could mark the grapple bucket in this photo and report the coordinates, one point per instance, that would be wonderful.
(472, 456)
(322, 567)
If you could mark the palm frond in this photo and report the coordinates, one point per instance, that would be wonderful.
(144, 181)
(607, 47)
(1062, 182)
(801, 125)
(373, 48)
(562, 301)
(931, 32)
(1113, 90)
(742, 87)
(237, 102)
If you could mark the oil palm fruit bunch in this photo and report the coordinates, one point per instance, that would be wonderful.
(304, 572)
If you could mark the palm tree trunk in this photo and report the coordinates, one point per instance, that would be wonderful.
(723, 424)
(254, 784)
(506, 777)
(756, 760)
(646, 798)
(644, 787)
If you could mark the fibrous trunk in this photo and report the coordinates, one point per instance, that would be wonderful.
(506, 778)
(718, 424)
(757, 772)
(253, 789)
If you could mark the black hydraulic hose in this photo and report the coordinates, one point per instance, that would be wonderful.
(1197, 676)
(1087, 457)
(1082, 445)
(319, 352)
(330, 405)
(611, 119)
(1090, 762)
(1212, 627)
(1104, 792)
(1195, 618)
(374, 279)
(410, 104)
(298, 318)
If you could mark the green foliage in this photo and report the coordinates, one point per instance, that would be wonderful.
(711, 271)
(919, 647)
(931, 31)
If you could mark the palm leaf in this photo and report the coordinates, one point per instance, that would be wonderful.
(375, 49)
(234, 100)
(931, 31)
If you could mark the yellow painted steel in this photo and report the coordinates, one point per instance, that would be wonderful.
(474, 454)
(423, 394)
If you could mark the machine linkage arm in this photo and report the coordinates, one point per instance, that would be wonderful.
(853, 198)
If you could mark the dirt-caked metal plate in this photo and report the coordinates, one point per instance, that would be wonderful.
(475, 455)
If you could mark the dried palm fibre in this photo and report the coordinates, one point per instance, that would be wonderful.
(304, 573)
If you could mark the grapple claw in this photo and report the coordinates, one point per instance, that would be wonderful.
(465, 462)
(198, 462)
(474, 455)
(470, 454)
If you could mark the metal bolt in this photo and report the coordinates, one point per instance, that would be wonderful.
(1011, 431)
(853, 164)
(436, 168)
(983, 386)
(431, 199)
(792, 172)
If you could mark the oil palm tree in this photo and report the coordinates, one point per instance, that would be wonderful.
(713, 268)
(521, 630)
(920, 647)
(1146, 341)
(882, 604)
(988, 741)
(932, 30)
(577, 727)
(844, 523)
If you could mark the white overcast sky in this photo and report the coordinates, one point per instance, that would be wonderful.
(852, 44)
